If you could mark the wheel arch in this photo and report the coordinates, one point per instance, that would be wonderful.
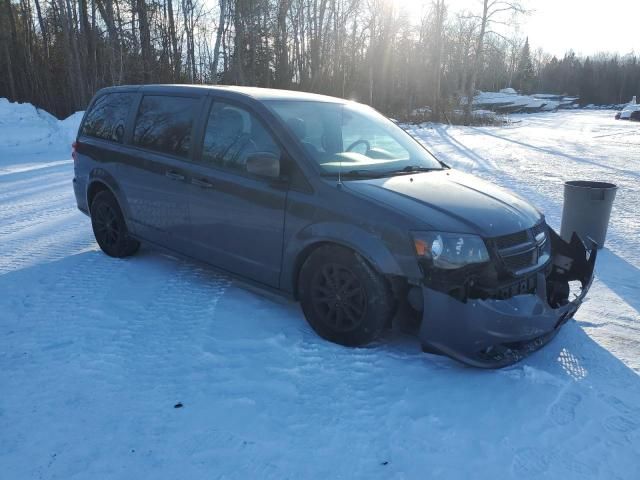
(100, 180)
(95, 187)
(361, 242)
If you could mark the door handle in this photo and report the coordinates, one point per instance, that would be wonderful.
(174, 175)
(201, 183)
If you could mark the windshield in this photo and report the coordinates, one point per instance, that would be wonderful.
(352, 138)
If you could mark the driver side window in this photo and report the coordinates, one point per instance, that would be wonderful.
(232, 135)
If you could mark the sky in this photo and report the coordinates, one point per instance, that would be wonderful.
(556, 26)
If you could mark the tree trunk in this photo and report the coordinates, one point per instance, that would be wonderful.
(86, 36)
(439, 13)
(9, 43)
(471, 85)
(105, 7)
(76, 77)
(12, 84)
(145, 40)
(174, 42)
(238, 48)
(283, 76)
(219, 34)
(43, 29)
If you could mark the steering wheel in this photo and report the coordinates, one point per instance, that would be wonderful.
(358, 142)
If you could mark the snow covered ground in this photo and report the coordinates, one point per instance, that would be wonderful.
(96, 352)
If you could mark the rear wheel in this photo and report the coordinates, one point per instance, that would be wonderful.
(109, 227)
(343, 298)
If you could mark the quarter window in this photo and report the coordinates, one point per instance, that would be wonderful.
(232, 135)
(164, 124)
(108, 117)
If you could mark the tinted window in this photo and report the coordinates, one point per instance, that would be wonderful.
(164, 124)
(108, 117)
(232, 135)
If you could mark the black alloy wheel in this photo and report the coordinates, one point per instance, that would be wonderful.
(343, 297)
(110, 228)
(107, 228)
(338, 297)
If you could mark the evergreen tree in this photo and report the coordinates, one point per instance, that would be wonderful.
(526, 72)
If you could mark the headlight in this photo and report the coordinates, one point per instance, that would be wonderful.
(450, 250)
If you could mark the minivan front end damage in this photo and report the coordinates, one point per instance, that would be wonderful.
(485, 320)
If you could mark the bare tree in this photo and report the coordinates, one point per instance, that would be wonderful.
(439, 14)
(56, 53)
(493, 12)
(174, 42)
(145, 39)
(219, 35)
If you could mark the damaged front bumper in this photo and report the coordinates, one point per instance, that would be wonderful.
(493, 333)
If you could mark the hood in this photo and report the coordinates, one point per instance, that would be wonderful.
(452, 201)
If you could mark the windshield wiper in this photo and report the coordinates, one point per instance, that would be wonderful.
(356, 174)
(415, 168)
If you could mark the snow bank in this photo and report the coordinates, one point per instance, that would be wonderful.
(22, 123)
(27, 129)
(69, 127)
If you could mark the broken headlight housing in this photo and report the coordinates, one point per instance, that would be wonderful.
(449, 251)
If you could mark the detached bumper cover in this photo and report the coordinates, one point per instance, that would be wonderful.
(495, 333)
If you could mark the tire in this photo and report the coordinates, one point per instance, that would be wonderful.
(344, 299)
(109, 227)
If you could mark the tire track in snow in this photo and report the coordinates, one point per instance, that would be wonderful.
(15, 191)
(39, 220)
(70, 238)
(21, 168)
(158, 331)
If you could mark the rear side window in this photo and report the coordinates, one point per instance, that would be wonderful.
(164, 124)
(108, 117)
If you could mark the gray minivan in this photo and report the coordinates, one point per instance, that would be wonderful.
(328, 202)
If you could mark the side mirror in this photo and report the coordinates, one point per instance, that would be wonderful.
(263, 164)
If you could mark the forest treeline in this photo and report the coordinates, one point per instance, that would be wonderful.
(57, 53)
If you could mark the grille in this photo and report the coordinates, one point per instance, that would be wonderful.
(512, 240)
(520, 250)
(520, 261)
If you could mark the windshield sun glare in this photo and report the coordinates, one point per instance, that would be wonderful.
(352, 138)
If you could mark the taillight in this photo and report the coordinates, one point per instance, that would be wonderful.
(74, 151)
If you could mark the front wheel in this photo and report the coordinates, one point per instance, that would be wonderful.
(343, 298)
(109, 227)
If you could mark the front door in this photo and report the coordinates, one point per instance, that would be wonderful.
(237, 219)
